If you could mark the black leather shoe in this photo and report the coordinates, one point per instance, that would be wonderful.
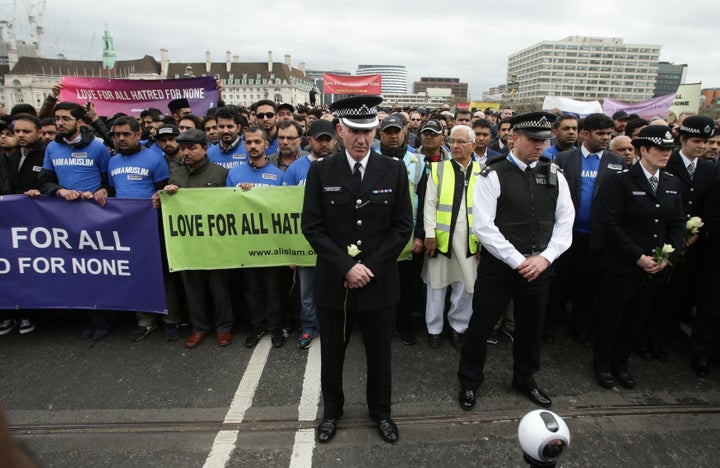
(457, 340)
(645, 353)
(605, 379)
(435, 341)
(535, 395)
(660, 354)
(326, 430)
(701, 368)
(388, 430)
(624, 378)
(467, 399)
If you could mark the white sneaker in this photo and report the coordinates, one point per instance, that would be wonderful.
(6, 326)
(26, 326)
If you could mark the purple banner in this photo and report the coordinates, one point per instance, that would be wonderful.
(131, 97)
(656, 107)
(56, 254)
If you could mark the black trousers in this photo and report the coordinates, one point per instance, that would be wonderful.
(625, 302)
(577, 275)
(265, 291)
(208, 298)
(377, 328)
(410, 291)
(495, 286)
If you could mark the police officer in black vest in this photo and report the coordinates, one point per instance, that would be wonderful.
(523, 216)
(357, 215)
(637, 211)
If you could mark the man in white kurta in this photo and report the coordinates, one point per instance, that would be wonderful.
(452, 249)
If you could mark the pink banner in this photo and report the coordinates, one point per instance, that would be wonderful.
(656, 107)
(342, 84)
(131, 97)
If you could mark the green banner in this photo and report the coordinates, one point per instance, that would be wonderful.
(218, 228)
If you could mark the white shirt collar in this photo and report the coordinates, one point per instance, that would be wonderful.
(363, 162)
(586, 152)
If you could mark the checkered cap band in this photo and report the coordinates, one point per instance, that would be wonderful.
(659, 141)
(541, 124)
(362, 112)
(695, 131)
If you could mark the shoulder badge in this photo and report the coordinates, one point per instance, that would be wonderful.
(486, 170)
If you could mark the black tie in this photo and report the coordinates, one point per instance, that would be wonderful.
(356, 172)
(357, 177)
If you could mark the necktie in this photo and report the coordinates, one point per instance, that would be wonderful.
(357, 176)
(691, 169)
(653, 183)
(356, 172)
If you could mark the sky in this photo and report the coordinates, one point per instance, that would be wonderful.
(470, 40)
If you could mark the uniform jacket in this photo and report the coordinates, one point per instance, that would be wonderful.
(377, 218)
(27, 177)
(634, 220)
(695, 190)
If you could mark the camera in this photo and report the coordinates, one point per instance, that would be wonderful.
(544, 437)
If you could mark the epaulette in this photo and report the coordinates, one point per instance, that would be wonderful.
(486, 170)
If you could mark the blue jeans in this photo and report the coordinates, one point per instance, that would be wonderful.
(308, 311)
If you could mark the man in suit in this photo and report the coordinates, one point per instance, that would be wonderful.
(696, 176)
(576, 271)
(637, 211)
(357, 215)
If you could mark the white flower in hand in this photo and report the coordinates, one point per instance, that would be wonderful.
(667, 249)
(353, 250)
(693, 225)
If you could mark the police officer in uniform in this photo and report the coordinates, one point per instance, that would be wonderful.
(696, 177)
(523, 216)
(636, 211)
(357, 215)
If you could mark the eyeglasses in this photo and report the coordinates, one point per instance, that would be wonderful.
(416, 120)
(453, 141)
(64, 118)
(265, 115)
(283, 138)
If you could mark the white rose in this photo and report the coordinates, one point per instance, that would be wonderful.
(694, 224)
(413, 159)
(667, 249)
(353, 250)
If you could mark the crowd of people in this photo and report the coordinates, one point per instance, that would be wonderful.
(517, 225)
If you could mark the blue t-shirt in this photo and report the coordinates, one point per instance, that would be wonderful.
(296, 174)
(135, 176)
(155, 149)
(588, 175)
(266, 176)
(77, 168)
(235, 156)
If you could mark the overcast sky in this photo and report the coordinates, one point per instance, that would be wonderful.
(470, 40)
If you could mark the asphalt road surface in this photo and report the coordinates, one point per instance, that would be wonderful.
(115, 403)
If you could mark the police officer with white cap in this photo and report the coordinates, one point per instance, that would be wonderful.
(523, 216)
(357, 216)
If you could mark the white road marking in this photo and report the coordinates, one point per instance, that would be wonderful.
(304, 446)
(307, 410)
(303, 449)
(224, 443)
